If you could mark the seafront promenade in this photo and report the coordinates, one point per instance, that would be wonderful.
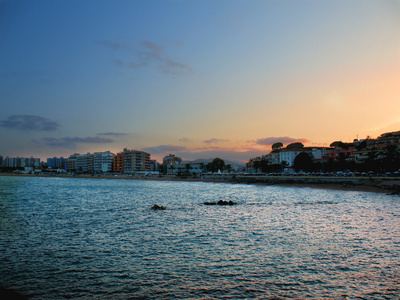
(388, 185)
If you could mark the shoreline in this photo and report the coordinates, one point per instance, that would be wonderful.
(386, 185)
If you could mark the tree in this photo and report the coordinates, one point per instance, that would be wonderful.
(391, 158)
(277, 145)
(264, 165)
(163, 169)
(372, 163)
(217, 164)
(336, 144)
(303, 161)
(296, 145)
(187, 168)
(284, 164)
(340, 144)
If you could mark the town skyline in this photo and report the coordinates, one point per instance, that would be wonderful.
(200, 79)
(273, 145)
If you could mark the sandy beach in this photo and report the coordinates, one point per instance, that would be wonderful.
(387, 185)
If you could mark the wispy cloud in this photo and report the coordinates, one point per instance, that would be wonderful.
(147, 53)
(113, 134)
(29, 122)
(118, 62)
(112, 44)
(184, 140)
(164, 149)
(214, 141)
(71, 142)
(230, 154)
(284, 140)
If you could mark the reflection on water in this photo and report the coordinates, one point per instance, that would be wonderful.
(95, 238)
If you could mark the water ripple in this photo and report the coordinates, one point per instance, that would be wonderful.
(93, 238)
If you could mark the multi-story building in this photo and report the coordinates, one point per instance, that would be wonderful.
(317, 154)
(136, 161)
(375, 148)
(273, 157)
(103, 162)
(12, 162)
(56, 163)
(21, 162)
(154, 165)
(82, 165)
(191, 168)
(119, 162)
(71, 162)
(1, 161)
(171, 159)
(384, 140)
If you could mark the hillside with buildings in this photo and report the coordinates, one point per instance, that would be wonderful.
(380, 155)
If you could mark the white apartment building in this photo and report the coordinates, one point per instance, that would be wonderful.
(288, 155)
(103, 162)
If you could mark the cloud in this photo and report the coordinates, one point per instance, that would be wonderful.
(147, 53)
(154, 52)
(164, 149)
(29, 122)
(184, 140)
(169, 66)
(118, 62)
(242, 156)
(134, 65)
(70, 142)
(152, 46)
(113, 133)
(111, 44)
(284, 140)
(214, 140)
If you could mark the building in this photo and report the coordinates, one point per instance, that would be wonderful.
(136, 161)
(154, 165)
(386, 139)
(273, 157)
(21, 162)
(103, 162)
(82, 164)
(70, 164)
(56, 163)
(318, 154)
(119, 163)
(191, 168)
(171, 159)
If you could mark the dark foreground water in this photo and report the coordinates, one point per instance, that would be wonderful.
(99, 239)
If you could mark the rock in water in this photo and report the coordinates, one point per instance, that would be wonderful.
(157, 207)
(220, 202)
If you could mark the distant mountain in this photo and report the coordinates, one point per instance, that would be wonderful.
(237, 163)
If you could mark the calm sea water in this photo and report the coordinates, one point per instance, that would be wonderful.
(100, 239)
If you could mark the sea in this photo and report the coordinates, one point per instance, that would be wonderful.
(77, 238)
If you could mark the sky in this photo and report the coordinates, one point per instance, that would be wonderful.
(196, 78)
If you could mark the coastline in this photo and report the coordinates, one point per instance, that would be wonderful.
(387, 185)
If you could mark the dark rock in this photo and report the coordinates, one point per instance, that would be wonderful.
(157, 207)
(220, 202)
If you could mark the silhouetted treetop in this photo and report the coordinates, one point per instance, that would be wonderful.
(277, 145)
(296, 145)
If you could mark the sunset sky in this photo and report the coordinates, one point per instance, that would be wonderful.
(196, 78)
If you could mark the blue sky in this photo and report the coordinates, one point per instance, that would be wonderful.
(196, 78)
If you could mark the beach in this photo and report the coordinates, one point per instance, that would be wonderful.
(387, 185)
